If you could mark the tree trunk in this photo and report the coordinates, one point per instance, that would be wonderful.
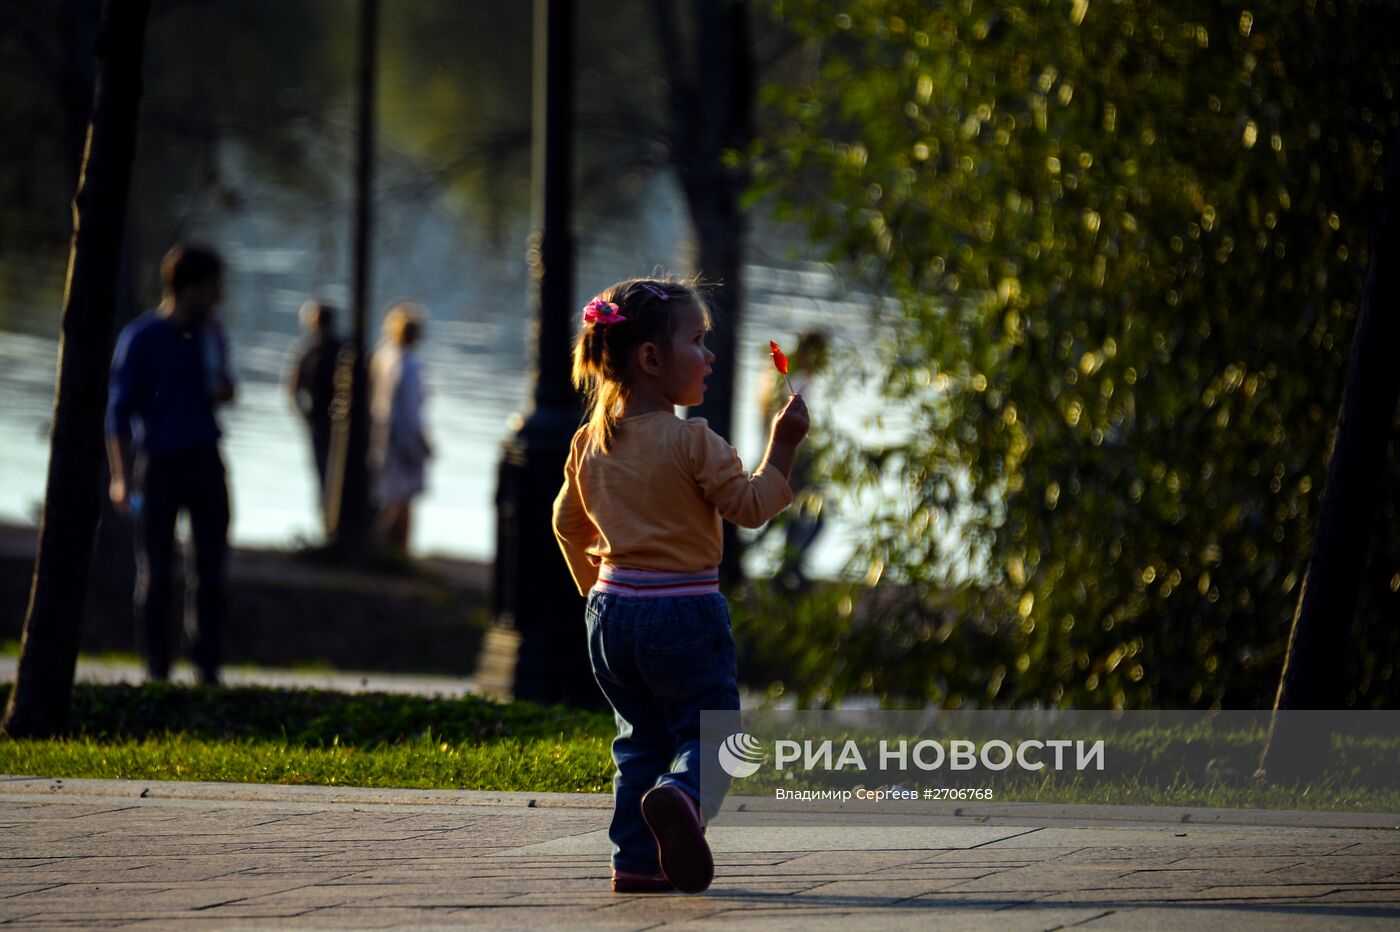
(43, 688)
(1314, 668)
(711, 113)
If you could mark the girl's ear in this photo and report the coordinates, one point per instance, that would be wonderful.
(649, 358)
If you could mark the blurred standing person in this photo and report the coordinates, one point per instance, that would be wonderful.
(803, 522)
(398, 444)
(169, 373)
(312, 384)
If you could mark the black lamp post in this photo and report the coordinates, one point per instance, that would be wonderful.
(536, 649)
(348, 495)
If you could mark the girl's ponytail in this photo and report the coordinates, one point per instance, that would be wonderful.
(622, 318)
(602, 395)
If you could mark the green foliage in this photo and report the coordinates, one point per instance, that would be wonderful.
(246, 99)
(266, 76)
(1127, 240)
(272, 76)
(784, 643)
(39, 146)
(457, 100)
(901, 646)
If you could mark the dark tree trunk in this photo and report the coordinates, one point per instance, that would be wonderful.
(43, 688)
(1314, 668)
(712, 113)
(113, 570)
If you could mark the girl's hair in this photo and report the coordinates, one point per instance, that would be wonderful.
(603, 353)
(403, 323)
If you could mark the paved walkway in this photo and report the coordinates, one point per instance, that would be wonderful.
(89, 853)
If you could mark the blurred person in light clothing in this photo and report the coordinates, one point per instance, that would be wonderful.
(398, 445)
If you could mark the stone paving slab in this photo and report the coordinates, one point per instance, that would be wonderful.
(102, 854)
(789, 839)
(1018, 814)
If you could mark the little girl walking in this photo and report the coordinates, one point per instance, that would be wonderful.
(639, 521)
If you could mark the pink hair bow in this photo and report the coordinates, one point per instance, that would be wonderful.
(603, 313)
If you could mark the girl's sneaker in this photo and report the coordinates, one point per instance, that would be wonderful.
(628, 882)
(674, 820)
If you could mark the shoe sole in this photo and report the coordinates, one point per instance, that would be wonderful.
(643, 886)
(685, 856)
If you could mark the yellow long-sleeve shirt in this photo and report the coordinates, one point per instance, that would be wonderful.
(655, 500)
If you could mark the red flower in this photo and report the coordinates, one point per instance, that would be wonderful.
(779, 360)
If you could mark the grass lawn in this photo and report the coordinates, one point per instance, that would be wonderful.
(159, 731)
(256, 735)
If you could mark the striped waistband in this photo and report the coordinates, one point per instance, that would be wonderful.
(651, 584)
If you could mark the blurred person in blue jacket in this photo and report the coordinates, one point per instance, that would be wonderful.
(169, 373)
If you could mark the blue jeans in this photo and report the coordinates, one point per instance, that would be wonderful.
(659, 661)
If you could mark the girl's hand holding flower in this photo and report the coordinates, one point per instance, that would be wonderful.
(792, 423)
